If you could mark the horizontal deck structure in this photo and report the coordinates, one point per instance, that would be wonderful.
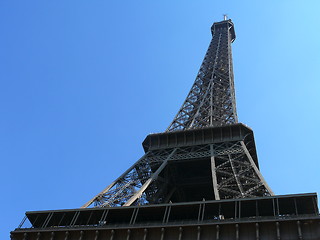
(274, 217)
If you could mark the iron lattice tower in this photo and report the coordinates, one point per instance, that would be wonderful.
(203, 170)
(211, 100)
(204, 153)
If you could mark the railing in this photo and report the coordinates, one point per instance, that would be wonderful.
(204, 212)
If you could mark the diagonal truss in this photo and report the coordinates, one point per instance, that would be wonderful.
(235, 175)
(211, 100)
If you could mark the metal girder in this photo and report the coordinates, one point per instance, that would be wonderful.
(214, 175)
(233, 175)
(238, 175)
(153, 177)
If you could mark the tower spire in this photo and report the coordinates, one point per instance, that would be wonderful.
(211, 100)
(225, 17)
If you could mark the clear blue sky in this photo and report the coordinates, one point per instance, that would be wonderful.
(83, 82)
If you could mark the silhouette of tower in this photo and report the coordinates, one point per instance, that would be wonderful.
(198, 180)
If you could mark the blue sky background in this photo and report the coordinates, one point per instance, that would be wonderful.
(83, 82)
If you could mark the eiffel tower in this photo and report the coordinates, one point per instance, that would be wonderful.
(198, 180)
(204, 153)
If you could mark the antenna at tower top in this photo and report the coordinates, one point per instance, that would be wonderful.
(225, 17)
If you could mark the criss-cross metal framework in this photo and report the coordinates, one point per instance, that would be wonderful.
(204, 153)
(211, 100)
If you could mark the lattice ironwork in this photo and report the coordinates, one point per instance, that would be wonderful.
(237, 175)
(221, 169)
(234, 175)
(211, 100)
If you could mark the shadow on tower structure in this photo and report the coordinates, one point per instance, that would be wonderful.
(199, 179)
